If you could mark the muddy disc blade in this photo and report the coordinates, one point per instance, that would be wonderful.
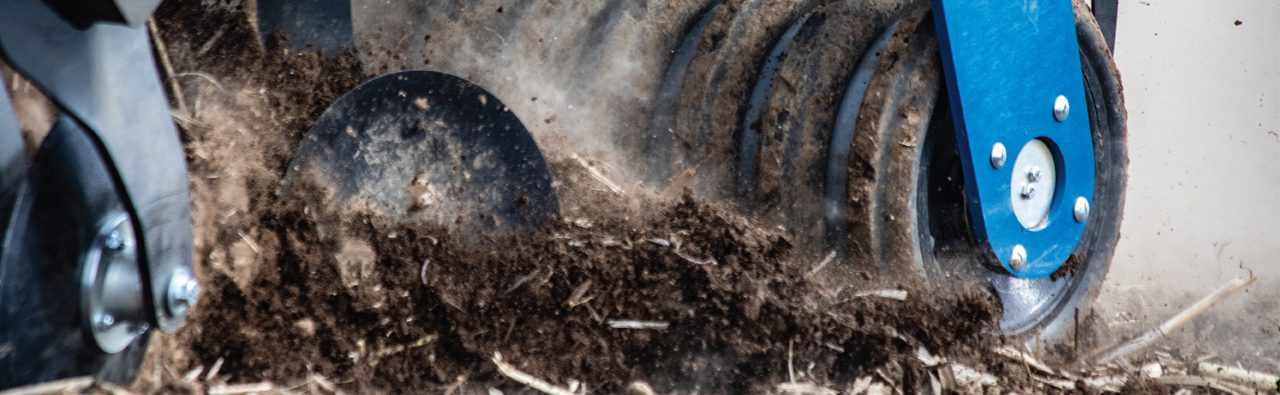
(423, 146)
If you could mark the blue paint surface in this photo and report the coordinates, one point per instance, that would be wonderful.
(1005, 63)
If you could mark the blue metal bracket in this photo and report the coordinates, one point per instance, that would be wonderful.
(1006, 64)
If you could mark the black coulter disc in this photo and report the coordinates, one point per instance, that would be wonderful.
(430, 147)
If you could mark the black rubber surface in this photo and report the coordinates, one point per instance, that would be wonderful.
(797, 115)
(741, 47)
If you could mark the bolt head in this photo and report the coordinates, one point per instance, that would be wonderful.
(114, 240)
(1061, 108)
(1033, 174)
(1018, 260)
(1081, 211)
(998, 155)
(1028, 191)
(105, 321)
(184, 292)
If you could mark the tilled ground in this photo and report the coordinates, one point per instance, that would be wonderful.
(633, 290)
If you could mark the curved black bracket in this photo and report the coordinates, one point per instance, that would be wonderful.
(13, 159)
(104, 77)
(1105, 11)
(308, 25)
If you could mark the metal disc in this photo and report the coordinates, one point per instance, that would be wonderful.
(1032, 184)
(66, 199)
(425, 146)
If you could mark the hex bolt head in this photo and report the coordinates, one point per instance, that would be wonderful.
(998, 155)
(105, 321)
(1061, 108)
(1081, 211)
(114, 240)
(184, 292)
(1033, 174)
(1018, 260)
(1028, 191)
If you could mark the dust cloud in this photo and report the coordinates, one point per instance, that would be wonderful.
(578, 75)
(1201, 86)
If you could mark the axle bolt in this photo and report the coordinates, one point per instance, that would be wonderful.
(1061, 108)
(1018, 260)
(105, 321)
(184, 291)
(1028, 191)
(1033, 174)
(114, 240)
(998, 155)
(1081, 210)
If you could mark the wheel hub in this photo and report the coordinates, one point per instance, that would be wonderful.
(115, 313)
(1032, 184)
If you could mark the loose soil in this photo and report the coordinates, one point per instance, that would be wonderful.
(312, 297)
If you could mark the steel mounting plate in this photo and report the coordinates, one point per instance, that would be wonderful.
(1005, 63)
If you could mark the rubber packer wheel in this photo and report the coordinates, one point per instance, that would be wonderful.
(905, 185)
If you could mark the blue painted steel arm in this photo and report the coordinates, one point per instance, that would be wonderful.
(1005, 63)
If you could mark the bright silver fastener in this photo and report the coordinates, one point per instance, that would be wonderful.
(998, 155)
(114, 240)
(1061, 108)
(1028, 191)
(1081, 210)
(1018, 260)
(184, 291)
(105, 321)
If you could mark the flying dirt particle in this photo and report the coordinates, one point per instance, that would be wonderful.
(306, 326)
(355, 262)
(1239, 22)
(484, 101)
(423, 201)
(499, 10)
(639, 388)
(421, 103)
(549, 119)
(351, 131)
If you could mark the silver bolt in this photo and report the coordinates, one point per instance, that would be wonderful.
(105, 321)
(1028, 191)
(1033, 174)
(1018, 260)
(998, 155)
(1082, 209)
(114, 240)
(1061, 108)
(184, 291)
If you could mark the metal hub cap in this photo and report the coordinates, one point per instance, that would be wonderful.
(1032, 184)
(111, 287)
